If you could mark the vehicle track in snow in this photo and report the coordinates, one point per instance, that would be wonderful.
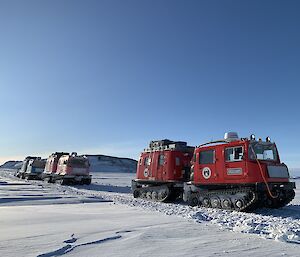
(277, 224)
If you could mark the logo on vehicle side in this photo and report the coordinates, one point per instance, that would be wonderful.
(206, 173)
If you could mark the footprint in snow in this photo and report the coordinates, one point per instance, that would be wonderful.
(72, 240)
(123, 231)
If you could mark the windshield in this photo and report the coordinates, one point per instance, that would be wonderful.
(263, 151)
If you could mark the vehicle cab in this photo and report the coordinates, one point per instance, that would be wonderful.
(238, 160)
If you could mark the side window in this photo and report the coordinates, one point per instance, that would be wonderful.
(161, 160)
(207, 157)
(177, 161)
(234, 154)
(147, 161)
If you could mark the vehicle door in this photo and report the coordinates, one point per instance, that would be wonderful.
(160, 164)
(207, 166)
(235, 166)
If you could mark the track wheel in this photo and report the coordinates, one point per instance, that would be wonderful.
(215, 202)
(205, 202)
(162, 195)
(239, 204)
(149, 195)
(226, 204)
(154, 196)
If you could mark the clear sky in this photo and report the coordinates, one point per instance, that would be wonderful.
(109, 76)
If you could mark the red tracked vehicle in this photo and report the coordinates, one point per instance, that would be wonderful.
(238, 173)
(162, 169)
(234, 173)
(73, 169)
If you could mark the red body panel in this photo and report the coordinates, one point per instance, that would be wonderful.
(243, 171)
(51, 165)
(172, 167)
(65, 166)
(52, 162)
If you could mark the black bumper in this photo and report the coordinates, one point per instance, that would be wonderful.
(285, 186)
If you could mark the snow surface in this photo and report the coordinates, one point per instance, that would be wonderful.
(103, 219)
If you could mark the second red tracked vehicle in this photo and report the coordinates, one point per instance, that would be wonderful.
(162, 169)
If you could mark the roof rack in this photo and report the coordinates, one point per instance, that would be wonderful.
(166, 144)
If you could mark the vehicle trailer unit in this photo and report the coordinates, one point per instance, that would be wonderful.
(162, 169)
(51, 166)
(236, 174)
(21, 172)
(72, 169)
(35, 168)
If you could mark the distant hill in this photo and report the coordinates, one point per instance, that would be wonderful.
(105, 163)
(11, 165)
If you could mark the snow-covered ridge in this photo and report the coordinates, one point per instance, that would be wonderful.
(11, 165)
(104, 163)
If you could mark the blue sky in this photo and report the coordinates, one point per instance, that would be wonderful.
(109, 76)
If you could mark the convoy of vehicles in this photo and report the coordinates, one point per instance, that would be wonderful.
(60, 167)
(233, 173)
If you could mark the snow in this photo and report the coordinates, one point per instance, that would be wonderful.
(103, 219)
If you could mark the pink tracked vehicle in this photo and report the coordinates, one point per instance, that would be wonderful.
(73, 169)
